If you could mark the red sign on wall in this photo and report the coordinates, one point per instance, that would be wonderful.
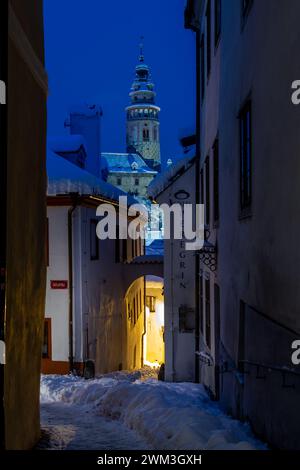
(59, 284)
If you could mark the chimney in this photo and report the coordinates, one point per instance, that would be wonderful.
(85, 120)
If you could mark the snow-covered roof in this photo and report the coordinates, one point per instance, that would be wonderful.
(68, 143)
(163, 180)
(125, 163)
(65, 177)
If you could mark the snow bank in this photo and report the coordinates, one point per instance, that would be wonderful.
(168, 416)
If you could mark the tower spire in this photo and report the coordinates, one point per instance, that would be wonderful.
(141, 57)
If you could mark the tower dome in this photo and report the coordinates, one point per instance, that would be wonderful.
(143, 116)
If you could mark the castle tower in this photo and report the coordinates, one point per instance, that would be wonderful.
(143, 117)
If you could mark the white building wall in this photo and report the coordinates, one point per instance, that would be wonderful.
(57, 301)
(179, 290)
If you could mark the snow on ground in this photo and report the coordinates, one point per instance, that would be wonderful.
(136, 411)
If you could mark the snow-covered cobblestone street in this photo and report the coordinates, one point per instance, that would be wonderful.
(135, 411)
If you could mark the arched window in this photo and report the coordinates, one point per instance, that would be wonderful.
(145, 135)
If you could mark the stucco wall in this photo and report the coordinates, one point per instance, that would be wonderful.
(26, 265)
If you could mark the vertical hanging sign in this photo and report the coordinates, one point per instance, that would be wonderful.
(3, 197)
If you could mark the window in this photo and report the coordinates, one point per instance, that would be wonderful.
(207, 313)
(218, 21)
(128, 310)
(216, 181)
(46, 349)
(202, 67)
(134, 310)
(94, 242)
(145, 135)
(207, 192)
(208, 39)
(119, 181)
(246, 7)
(151, 302)
(136, 181)
(245, 157)
(201, 303)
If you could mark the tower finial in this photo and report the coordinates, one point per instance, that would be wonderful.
(141, 58)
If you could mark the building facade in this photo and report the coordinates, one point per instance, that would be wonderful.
(248, 313)
(23, 199)
(95, 298)
(177, 186)
(128, 172)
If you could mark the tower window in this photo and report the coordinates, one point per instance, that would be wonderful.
(119, 181)
(136, 182)
(145, 135)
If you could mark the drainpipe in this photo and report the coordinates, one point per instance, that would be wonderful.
(3, 204)
(197, 200)
(75, 203)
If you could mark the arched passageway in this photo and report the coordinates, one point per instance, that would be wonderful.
(143, 323)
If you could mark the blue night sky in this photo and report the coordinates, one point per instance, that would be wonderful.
(92, 50)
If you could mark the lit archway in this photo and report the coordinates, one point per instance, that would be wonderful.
(143, 326)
